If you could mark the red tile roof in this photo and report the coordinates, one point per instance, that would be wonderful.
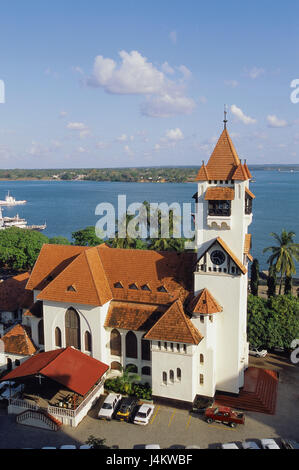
(87, 274)
(52, 260)
(175, 326)
(250, 194)
(36, 310)
(13, 293)
(204, 303)
(220, 194)
(133, 316)
(247, 246)
(240, 173)
(18, 341)
(95, 274)
(223, 161)
(67, 366)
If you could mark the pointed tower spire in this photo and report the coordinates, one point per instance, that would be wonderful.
(225, 116)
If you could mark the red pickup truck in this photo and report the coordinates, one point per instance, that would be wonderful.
(225, 415)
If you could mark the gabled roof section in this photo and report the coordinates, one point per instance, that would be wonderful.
(18, 341)
(202, 174)
(204, 303)
(240, 173)
(86, 272)
(223, 161)
(250, 194)
(247, 246)
(67, 366)
(36, 310)
(220, 194)
(175, 326)
(247, 170)
(13, 293)
(227, 250)
(133, 316)
(51, 261)
(172, 270)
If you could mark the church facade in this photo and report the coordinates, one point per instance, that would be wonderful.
(178, 319)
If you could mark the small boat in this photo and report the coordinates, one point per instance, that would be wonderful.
(11, 201)
(16, 221)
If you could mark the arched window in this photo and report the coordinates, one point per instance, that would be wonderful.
(58, 337)
(116, 366)
(179, 374)
(201, 380)
(164, 378)
(17, 362)
(201, 359)
(171, 376)
(9, 364)
(87, 341)
(146, 371)
(145, 350)
(41, 338)
(72, 329)
(131, 345)
(132, 369)
(115, 343)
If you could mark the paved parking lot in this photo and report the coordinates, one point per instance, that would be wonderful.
(171, 427)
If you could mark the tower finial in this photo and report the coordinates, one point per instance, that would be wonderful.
(225, 116)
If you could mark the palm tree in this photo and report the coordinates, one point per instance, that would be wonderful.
(128, 378)
(283, 255)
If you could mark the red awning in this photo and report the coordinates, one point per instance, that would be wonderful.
(67, 366)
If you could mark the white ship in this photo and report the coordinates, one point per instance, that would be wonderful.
(16, 221)
(11, 201)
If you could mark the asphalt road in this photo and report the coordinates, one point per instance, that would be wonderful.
(172, 427)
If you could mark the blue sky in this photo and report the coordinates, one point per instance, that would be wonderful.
(143, 83)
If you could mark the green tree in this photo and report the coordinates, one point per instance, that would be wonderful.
(19, 248)
(96, 443)
(86, 237)
(284, 255)
(59, 240)
(271, 281)
(254, 278)
(257, 315)
(288, 284)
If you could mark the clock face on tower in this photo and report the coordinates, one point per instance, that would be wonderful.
(217, 257)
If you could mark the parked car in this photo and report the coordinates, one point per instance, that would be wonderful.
(250, 445)
(289, 444)
(68, 446)
(225, 415)
(126, 409)
(144, 414)
(258, 352)
(229, 445)
(269, 444)
(109, 406)
(152, 446)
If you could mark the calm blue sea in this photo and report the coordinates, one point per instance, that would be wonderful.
(70, 205)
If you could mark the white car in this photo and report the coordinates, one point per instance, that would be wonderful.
(269, 444)
(109, 406)
(152, 446)
(229, 445)
(68, 446)
(250, 445)
(258, 353)
(144, 414)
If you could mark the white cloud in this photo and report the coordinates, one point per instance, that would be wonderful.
(185, 71)
(168, 105)
(79, 127)
(174, 134)
(62, 114)
(173, 37)
(81, 149)
(231, 83)
(135, 75)
(273, 121)
(241, 116)
(128, 151)
(167, 69)
(255, 72)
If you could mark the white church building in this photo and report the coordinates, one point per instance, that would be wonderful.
(178, 318)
